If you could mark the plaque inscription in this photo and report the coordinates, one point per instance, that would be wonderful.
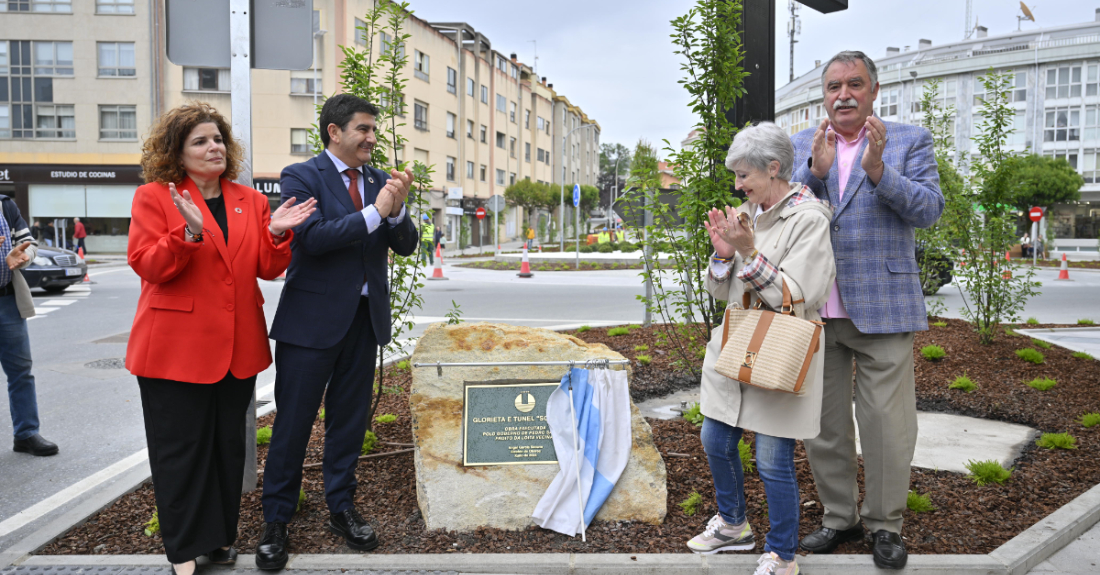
(504, 423)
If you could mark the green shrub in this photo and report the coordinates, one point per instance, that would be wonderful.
(691, 504)
(1009, 332)
(939, 324)
(964, 383)
(302, 499)
(985, 472)
(321, 415)
(1031, 355)
(918, 503)
(605, 248)
(693, 415)
(1082, 355)
(369, 440)
(263, 435)
(1042, 383)
(616, 331)
(386, 418)
(1032, 321)
(1090, 419)
(744, 452)
(1085, 322)
(583, 328)
(633, 326)
(586, 249)
(1040, 343)
(152, 526)
(641, 347)
(1057, 441)
(933, 352)
(644, 359)
(627, 247)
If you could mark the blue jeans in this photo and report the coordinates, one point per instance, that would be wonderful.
(775, 463)
(15, 358)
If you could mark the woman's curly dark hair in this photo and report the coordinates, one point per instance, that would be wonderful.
(160, 154)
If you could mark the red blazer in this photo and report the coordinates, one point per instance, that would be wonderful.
(200, 313)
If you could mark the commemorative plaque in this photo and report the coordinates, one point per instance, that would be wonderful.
(504, 423)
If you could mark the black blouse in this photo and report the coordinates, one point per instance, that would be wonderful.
(217, 208)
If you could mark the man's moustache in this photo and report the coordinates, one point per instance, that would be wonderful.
(850, 103)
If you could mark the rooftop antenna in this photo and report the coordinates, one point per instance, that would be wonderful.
(969, 30)
(1027, 16)
(535, 67)
(794, 28)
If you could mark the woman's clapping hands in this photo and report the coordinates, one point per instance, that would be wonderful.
(289, 215)
(729, 233)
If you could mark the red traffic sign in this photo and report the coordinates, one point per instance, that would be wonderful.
(1036, 214)
(480, 213)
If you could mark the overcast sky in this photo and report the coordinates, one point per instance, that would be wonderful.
(614, 59)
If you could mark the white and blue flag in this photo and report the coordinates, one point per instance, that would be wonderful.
(601, 402)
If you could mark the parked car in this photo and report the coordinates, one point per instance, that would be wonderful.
(55, 269)
(935, 271)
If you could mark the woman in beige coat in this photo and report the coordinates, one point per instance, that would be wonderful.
(786, 240)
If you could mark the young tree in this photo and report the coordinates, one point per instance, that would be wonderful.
(614, 163)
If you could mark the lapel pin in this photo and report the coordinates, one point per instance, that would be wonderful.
(371, 180)
(239, 211)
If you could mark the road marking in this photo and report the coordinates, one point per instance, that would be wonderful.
(105, 272)
(59, 302)
(53, 502)
(44, 310)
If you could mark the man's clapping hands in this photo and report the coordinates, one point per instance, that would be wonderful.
(391, 198)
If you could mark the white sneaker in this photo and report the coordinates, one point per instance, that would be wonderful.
(721, 536)
(770, 564)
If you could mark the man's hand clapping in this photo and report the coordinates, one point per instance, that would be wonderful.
(824, 151)
(872, 155)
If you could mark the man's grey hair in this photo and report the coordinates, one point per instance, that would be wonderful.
(758, 146)
(851, 57)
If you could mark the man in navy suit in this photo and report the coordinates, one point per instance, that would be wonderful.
(333, 315)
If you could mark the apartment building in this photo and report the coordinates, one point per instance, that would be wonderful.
(82, 80)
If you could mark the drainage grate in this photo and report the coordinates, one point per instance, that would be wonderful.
(110, 363)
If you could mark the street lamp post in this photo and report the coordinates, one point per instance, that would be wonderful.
(563, 140)
(614, 189)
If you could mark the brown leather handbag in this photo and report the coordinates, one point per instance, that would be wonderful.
(768, 349)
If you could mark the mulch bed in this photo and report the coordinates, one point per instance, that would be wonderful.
(967, 519)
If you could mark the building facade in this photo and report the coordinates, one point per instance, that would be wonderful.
(76, 101)
(1055, 85)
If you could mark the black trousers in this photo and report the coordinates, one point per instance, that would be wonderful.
(196, 440)
(344, 376)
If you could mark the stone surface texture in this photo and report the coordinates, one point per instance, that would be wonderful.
(460, 498)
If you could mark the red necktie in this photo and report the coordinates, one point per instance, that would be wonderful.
(353, 188)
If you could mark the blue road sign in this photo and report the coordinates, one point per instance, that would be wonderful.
(576, 195)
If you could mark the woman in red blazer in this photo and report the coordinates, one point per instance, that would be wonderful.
(199, 241)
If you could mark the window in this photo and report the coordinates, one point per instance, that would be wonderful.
(470, 170)
(452, 80)
(500, 140)
(361, 32)
(5, 121)
(484, 134)
(502, 64)
(420, 65)
(299, 141)
(118, 122)
(946, 96)
(515, 74)
(1091, 81)
(1091, 170)
(1062, 125)
(512, 147)
(527, 151)
(451, 120)
(888, 103)
(114, 6)
(1070, 157)
(1019, 135)
(547, 160)
(64, 6)
(539, 155)
(540, 123)
(55, 121)
(483, 172)
(387, 42)
(512, 112)
(511, 178)
(450, 169)
(1017, 87)
(1092, 123)
(206, 79)
(56, 59)
(484, 94)
(1064, 82)
(527, 119)
(28, 90)
(470, 86)
(398, 107)
(500, 177)
(502, 103)
(420, 116)
(470, 129)
(307, 86)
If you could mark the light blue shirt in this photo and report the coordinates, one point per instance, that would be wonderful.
(370, 213)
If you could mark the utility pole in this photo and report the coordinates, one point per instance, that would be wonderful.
(968, 29)
(794, 28)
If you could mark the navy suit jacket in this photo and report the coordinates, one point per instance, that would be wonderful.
(332, 254)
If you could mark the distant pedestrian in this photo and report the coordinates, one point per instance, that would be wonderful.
(437, 240)
(51, 233)
(36, 231)
(427, 243)
(530, 238)
(15, 343)
(79, 233)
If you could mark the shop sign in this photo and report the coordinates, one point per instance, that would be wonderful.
(42, 174)
(267, 187)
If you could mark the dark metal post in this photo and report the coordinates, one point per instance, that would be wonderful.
(757, 30)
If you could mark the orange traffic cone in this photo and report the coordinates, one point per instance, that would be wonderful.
(437, 273)
(1063, 273)
(1008, 270)
(80, 252)
(525, 265)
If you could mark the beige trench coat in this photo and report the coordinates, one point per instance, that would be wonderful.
(794, 237)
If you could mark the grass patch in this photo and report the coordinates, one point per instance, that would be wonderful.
(744, 451)
(644, 359)
(1032, 321)
(918, 503)
(641, 347)
(404, 365)
(583, 328)
(691, 504)
(1042, 383)
(933, 352)
(1090, 419)
(1040, 343)
(964, 383)
(939, 324)
(321, 415)
(302, 499)
(152, 526)
(1034, 356)
(386, 418)
(986, 472)
(633, 326)
(369, 441)
(693, 415)
(1082, 355)
(263, 435)
(1057, 441)
(1085, 322)
(616, 331)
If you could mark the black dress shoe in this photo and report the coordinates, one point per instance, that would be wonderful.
(888, 550)
(271, 553)
(221, 556)
(354, 529)
(35, 445)
(826, 540)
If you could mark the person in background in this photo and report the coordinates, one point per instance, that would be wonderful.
(1025, 245)
(427, 243)
(437, 239)
(530, 238)
(199, 241)
(79, 233)
(50, 232)
(36, 231)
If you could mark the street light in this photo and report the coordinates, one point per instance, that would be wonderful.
(563, 140)
(614, 188)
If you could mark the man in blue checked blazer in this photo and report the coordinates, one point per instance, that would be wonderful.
(882, 181)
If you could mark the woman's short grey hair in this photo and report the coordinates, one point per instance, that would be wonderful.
(760, 145)
(851, 57)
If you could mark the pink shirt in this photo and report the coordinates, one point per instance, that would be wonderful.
(847, 154)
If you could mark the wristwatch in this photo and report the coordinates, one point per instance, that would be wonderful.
(187, 232)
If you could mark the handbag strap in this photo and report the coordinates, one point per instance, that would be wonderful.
(755, 343)
(787, 308)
